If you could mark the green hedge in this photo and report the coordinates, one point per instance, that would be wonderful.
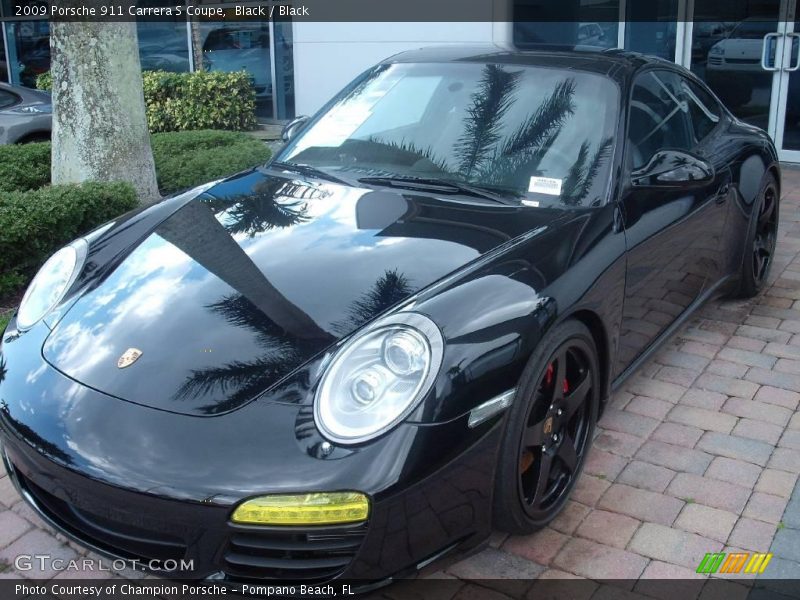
(44, 81)
(201, 100)
(188, 158)
(35, 223)
(191, 101)
(24, 166)
(183, 159)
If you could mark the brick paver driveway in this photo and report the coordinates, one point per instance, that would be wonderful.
(700, 452)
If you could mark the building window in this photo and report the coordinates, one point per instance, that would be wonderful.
(163, 46)
(582, 23)
(28, 50)
(652, 27)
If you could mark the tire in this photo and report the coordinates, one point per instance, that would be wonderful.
(556, 406)
(762, 234)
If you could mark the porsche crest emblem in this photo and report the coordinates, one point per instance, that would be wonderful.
(548, 426)
(130, 356)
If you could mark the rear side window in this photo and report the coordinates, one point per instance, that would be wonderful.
(703, 109)
(658, 117)
(7, 99)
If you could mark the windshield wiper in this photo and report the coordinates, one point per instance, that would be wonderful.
(308, 170)
(445, 186)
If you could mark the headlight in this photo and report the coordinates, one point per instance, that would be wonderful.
(377, 378)
(717, 51)
(51, 283)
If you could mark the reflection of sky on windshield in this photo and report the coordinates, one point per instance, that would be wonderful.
(427, 105)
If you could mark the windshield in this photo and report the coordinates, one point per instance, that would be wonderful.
(753, 30)
(538, 134)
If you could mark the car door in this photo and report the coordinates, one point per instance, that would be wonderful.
(669, 230)
(712, 248)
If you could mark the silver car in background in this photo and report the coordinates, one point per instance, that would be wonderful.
(25, 115)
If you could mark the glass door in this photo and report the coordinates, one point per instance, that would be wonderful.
(787, 118)
(751, 60)
(736, 57)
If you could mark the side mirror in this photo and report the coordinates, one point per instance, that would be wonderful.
(293, 127)
(674, 168)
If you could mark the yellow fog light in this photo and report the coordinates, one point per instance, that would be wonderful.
(303, 509)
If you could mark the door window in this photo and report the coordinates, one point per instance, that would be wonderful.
(658, 117)
(704, 111)
(7, 99)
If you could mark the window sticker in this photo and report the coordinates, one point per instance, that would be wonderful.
(545, 185)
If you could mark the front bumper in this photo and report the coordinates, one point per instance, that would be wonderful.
(151, 486)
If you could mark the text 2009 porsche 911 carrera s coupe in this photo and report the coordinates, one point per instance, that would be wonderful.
(399, 333)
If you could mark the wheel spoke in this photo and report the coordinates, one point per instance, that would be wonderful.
(576, 397)
(568, 453)
(561, 375)
(534, 435)
(766, 211)
(545, 464)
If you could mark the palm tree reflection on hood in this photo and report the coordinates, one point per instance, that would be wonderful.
(272, 204)
(392, 287)
(240, 381)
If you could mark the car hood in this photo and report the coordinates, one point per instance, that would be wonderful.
(741, 47)
(245, 283)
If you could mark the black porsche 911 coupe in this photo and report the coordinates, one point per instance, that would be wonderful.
(398, 334)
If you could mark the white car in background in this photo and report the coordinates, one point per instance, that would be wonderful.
(733, 68)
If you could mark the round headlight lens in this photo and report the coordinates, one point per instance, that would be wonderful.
(378, 378)
(50, 284)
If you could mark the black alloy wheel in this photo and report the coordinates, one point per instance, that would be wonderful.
(548, 430)
(762, 236)
(766, 234)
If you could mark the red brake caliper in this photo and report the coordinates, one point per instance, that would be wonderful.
(566, 386)
(548, 374)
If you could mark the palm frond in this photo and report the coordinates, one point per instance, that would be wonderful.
(412, 149)
(490, 102)
(578, 192)
(550, 116)
(576, 174)
(392, 287)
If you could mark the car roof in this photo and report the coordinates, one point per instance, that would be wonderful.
(615, 63)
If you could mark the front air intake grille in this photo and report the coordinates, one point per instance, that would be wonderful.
(291, 553)
(115, 537)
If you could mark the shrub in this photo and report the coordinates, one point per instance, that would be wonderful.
(35, 223)
(44, 81)
(188, 158)
(24, 166)
(183, 159)
(201, 100)
(190, 101)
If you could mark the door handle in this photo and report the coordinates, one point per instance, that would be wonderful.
(722, 193)
(767, 49)
(793, 37)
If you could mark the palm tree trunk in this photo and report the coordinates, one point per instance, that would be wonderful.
(99, 124)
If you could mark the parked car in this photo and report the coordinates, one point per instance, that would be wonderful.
(733, 67)
(396, 336)
(25, 115)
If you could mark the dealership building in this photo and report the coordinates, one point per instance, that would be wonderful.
(748, 51)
